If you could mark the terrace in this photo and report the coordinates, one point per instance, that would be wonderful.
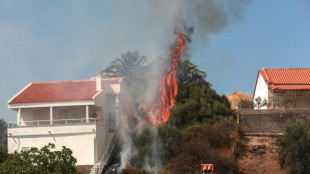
(57, 116)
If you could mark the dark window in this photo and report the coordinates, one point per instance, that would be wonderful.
(112, 121)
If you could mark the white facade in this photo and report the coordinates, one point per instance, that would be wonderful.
(70, 124)
(261, 89)
(82, 139)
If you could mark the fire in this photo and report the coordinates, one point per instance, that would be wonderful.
(158, 113)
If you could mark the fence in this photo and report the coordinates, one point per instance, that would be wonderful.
(57, 122)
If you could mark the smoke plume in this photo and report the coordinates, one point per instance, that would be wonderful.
(196, 19)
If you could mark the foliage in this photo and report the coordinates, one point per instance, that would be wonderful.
(131, 67)
(171, 140)
(188, 73)
(148, 145)
(3, 134)
(200, 128)
(245, 104)
(199, 103)
(260, 103)
(3, 155)
(238, 97)
(294, 148)
(216, 144)
(127, 65)
(44, 160)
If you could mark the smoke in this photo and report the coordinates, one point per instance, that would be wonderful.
(205, 16)
(197, 19)
(127, 146)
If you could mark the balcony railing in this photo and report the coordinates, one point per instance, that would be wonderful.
(57, 122)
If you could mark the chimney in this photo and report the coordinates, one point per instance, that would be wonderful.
(99, 82)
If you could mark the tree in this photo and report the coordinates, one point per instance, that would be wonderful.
(188, 73)
(245, 104)
(131, 67)
(3, 155)
(126, 66)
(200, 127)
(199, 103)
(294, 148)
(45, 160)
(204, 143)
(3, 134)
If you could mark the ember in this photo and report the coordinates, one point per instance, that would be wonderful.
(158, 113)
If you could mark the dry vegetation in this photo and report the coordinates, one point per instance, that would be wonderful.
(235, 97)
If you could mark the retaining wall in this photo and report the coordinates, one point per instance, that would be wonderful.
(269, 121)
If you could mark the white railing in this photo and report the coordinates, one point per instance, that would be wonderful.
(57, 122)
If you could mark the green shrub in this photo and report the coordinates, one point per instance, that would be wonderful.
(44, 160)
(294, 148)
(245, 104)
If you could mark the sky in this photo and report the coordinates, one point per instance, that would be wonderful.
(74, 39)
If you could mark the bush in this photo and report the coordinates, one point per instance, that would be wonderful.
(3, 134)
(294, 148)
(245, 104)
(217, 144)
(198, 103)
(3, 155)
(40, 161)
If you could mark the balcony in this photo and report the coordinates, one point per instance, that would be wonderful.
(57, 122)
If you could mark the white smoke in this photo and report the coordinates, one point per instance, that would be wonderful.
(206, 17)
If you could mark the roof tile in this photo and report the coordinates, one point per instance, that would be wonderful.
(61, 91)
(287, 78)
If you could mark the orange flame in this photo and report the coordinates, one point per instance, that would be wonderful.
(169, 85)
(157, 114)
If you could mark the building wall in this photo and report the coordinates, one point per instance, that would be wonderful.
(261, 89)
(26, 115)
(276, 96)
(101, 134)
(270, 120)
(79, 138)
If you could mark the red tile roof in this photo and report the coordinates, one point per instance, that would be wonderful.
(61, 91)
(287, 79)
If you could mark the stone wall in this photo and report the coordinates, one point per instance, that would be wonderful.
(269, 121)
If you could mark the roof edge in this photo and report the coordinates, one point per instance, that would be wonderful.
(51, 104)
(255, 84)
(265, 75)
(97, 94)
(21, 91)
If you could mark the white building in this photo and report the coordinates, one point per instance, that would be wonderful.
(82, 115)
(273, 83)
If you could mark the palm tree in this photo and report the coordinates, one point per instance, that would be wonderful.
(188, 73)
(131, 67)
(127, 66)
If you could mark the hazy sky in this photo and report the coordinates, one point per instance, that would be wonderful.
(68, 40)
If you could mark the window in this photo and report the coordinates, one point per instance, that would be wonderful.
(112, 121)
